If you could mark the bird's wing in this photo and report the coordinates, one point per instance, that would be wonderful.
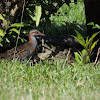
(22, 52)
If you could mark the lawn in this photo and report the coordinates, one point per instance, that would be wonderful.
(52, 80)
(48, 81)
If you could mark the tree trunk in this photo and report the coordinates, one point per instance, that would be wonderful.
(92, 8)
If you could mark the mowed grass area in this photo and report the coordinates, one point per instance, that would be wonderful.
(48, 81)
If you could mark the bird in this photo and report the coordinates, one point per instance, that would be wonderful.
(26, 50)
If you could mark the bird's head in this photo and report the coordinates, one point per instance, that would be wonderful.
(35, 33)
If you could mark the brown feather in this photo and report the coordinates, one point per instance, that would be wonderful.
(23, 51)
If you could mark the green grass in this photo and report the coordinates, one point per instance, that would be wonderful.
(48, 81)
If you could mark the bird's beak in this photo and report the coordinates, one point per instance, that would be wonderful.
(41, 34)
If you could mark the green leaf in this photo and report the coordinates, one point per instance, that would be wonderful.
(33, 17)
(38, 10)
(96, 26)
(10, 32)
(21, 39)
(1, 33)
(1, 17)
(93, 45)
(84, 52)
(17, 25)
(77, 57)
(87, 42)
(91, 23)
(93, 36)
(15, 30)
(1, 39)
(0, 42)
(80, 39)
(7, 40)
(85, 57)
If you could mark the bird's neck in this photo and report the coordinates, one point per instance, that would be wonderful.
(33, 41)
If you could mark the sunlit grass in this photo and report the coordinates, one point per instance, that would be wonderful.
(48, 80)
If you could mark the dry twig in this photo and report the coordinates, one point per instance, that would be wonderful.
(97, 57)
